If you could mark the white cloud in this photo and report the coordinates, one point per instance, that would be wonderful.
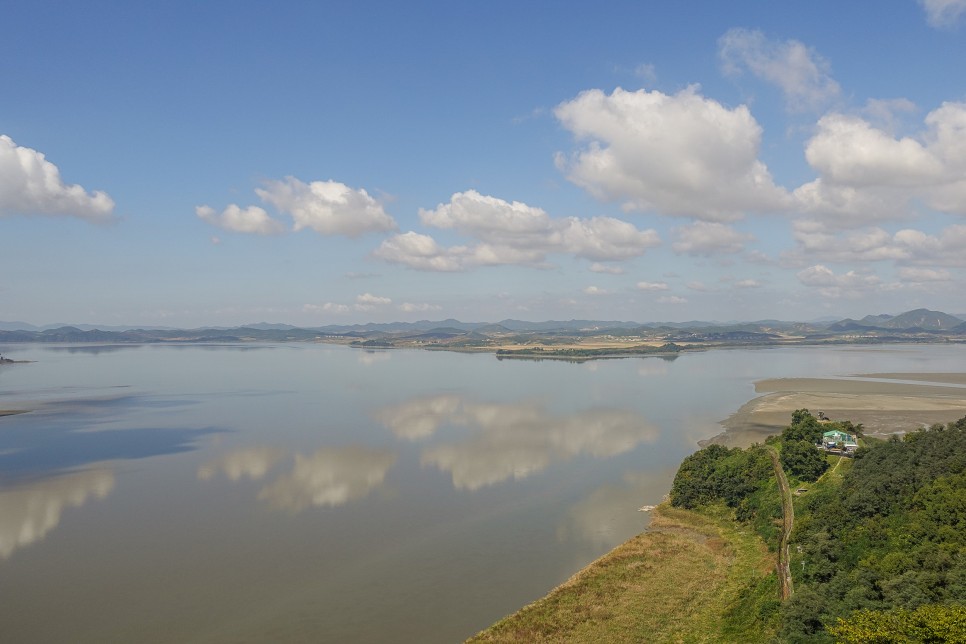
(652, 286)
(595, 290)
(672, 299)
(369, 298)
(701, 287)
(31, 185)
(816, 242)
(886, 112)
(327, 307)
(248, 220)
(944, 249)
(907, 246)
(370, 302)
(847, 150)
(411, 307)
(597, 267)
(512, 233)
(709, 238)
(681, 155)
(420, 252)
(943, 13)
(866, 174)
(801, 73)
(850, 284)
(327, 207)
(924, 275)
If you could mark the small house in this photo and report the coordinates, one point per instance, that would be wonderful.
(839, 441)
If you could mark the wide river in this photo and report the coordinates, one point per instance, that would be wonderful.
(303, 492)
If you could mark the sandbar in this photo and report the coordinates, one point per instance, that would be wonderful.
(883, 406)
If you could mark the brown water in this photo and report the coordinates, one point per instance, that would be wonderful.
(318, 493)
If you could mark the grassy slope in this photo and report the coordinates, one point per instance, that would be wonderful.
(690, 578)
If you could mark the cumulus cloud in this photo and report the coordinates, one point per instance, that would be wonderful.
(943, 249)
(368, 299)
(326, 307)
(363, 302)
(421, 252)
(241, 220)
(327, 207)
(815, 241)
(866, 174)
(412, 307)
(680, 154)
(905, 247)
(595, 290)
(924, 275)
(511, 233)
(747, 284)
(832, 285)
(943, 13)
(31, 185)
(709, 238)
(652, 286)
(849, 150)
(801, 74)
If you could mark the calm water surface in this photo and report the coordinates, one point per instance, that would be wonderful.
(318, 493)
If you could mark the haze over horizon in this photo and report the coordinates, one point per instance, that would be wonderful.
(190, 165)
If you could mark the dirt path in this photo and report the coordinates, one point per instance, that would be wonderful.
(788, 522)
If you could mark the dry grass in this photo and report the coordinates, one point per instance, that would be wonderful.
(674, 583)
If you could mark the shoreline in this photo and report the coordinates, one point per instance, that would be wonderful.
(884, 403)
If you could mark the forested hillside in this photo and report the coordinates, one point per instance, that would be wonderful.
(877, 551)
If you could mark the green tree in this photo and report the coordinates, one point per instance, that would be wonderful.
(931, 623)
(801, 458)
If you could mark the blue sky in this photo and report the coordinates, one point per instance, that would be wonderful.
(187, 164)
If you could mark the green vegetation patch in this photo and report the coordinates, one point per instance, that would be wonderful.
(691, 577)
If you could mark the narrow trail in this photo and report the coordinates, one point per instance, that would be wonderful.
(788, 522)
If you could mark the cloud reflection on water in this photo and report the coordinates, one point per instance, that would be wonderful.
(512, 440)
(610, 514)
(329, 477)
(421, 417)
(253, 463)
(30, 511)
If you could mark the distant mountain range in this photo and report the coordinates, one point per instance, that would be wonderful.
(919, 319)
(918, 322)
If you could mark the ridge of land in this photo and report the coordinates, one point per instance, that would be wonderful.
(568, 340)
(673, 580)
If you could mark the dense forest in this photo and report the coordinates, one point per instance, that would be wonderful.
(877, 551)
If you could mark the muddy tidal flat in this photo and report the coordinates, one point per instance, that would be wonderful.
(885, 403)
